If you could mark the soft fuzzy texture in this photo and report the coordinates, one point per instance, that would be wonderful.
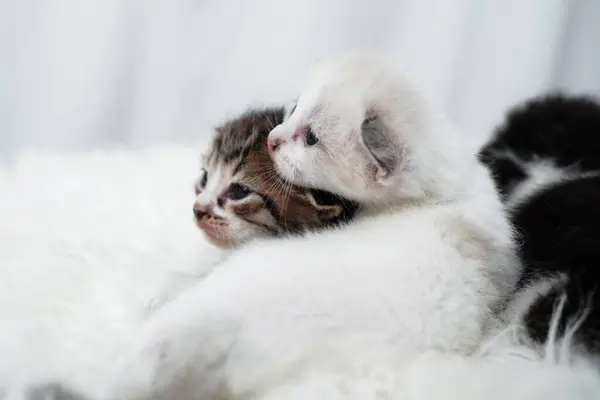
(90, 242)
(423, 268)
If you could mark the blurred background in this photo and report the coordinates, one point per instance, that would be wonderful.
(79, 74)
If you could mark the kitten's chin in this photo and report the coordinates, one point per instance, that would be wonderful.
(220, 242)
(217, 235)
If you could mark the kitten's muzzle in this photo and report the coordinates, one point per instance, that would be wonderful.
(201, 212)
(273, 144)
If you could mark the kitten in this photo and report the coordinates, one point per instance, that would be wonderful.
(421, 268)
(241, 197)
(247, 200)
(546, 162)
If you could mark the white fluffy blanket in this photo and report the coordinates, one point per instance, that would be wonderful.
(91, 243)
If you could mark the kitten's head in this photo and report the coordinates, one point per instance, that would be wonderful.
(361, 129)
(240, 196)
(556, 129)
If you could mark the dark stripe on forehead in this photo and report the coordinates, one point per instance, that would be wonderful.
(236, 138)
(242, 161)
(234, 154)
(240, 164)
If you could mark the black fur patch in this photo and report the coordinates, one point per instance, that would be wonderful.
(565, 129)
(507, 174)
(561, 234)
(560, 224)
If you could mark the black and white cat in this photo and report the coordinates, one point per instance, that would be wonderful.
(546, 163)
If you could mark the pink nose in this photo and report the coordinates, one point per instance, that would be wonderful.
(273, 144)
(201, 212)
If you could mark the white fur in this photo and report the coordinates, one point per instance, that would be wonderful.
(503, 373)
(525, 297)
(84, 255)
(433, 170)
(422, 272)
(89, 245)
(338, 96)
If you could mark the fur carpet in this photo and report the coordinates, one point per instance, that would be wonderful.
(91, 243)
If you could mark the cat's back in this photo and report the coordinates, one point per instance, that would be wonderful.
(561, 225)
(371, 237)
(358, 273)
(390, 285)
(560, 228)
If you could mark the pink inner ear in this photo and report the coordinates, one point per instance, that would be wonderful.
(300, 131)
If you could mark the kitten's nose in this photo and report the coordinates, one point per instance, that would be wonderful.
(201, 211)
(273, 144)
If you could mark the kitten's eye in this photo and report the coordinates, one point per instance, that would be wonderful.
(201, 183)
(238, 191)
(311, 139)
(203, 178)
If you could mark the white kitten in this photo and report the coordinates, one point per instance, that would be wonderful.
(424, 271)
(379, 140)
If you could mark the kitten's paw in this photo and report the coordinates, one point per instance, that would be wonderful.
(152, 365)
(138, 374)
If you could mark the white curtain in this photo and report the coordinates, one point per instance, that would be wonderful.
(81, 74)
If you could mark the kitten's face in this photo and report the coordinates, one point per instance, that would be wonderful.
(240, 196)
(318, 146)
(335, 139)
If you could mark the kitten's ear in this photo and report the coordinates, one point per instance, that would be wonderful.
(381, 146)
(328, 213)
(325, 211)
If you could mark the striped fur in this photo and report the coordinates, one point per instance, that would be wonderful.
(238, 164)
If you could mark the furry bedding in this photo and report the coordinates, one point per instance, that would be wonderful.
(91, 243)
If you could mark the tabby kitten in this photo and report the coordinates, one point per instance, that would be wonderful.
(240, 196)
